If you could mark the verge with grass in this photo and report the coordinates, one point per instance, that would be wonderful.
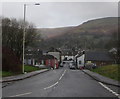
(26, 69)
(31, 68)
(7, 73)
(110, 71)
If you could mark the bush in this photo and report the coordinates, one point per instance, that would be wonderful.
(10, 62)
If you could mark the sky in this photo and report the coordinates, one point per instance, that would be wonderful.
(59, 14)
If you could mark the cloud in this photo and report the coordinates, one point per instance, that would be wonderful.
(61, 14)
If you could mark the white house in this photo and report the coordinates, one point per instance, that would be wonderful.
(80, 60)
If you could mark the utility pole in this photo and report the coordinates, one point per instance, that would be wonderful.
(24, 32)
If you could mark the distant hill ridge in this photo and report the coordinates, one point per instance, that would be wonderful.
(53, 32)
(105, 26)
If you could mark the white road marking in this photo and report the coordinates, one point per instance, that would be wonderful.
(64, 72)
(60, 78)
(116, 94)
(51, 85)
(62, 75)
(21, 94)
(56, 82)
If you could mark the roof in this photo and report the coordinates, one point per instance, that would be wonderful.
(113, 50)
(80, 54)
(54, 50)
(40, 57)
(69, 53)
(44, 57)
(33, 54)
(98, 56)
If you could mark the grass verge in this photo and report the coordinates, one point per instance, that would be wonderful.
(7, 73)
(110, 71)
(31, 68)
(26, 68)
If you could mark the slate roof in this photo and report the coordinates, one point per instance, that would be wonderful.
(54, 50)
(33, 53)
(40, 57)
(44, 57)
(98, 56)
(69, 52)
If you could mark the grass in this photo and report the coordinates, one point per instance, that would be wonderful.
(27, 69)
(31, 68)
(7, 73)
(111, 71)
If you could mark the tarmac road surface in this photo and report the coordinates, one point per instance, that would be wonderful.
(62, 82)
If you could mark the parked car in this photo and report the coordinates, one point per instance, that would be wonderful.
(90, 66)
(72, 65)
(62, 64)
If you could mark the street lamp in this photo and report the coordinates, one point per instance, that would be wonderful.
(24, 33)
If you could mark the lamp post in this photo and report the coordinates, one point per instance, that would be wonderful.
(24, 30)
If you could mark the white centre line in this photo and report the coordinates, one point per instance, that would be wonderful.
(64, 72)
(51, 85)
(60, 78)
(116, 94)
(56, 82)
(62, 75)
(21, 94)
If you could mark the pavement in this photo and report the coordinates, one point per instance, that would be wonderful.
(62, 82)
(101, 78)
(22, 76)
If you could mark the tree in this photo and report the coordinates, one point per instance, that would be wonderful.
(12, 36)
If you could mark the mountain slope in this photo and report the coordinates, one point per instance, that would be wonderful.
(97, 26)
(93, 34)
(53, 32)
(103, 26)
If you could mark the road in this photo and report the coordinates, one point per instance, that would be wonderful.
(61, 82)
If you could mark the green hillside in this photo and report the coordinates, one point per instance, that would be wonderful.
(93, 34)
(103, 26)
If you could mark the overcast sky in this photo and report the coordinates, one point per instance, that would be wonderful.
(50, 15)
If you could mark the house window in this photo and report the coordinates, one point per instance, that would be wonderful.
(42, 62)
(80, 62)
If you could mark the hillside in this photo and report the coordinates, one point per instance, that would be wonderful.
(53, 32)
(98, 26)
(93, 34)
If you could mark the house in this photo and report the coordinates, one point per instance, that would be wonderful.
(35, 57)
(114, 52)
(80, 59)
(49, 61)
(56, 53)
(99, 58)
(42, 60)
(31, 55)
(68, 54)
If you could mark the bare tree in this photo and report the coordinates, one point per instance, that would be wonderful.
(12, 36)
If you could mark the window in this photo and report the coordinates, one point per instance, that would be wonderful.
(79, 62)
